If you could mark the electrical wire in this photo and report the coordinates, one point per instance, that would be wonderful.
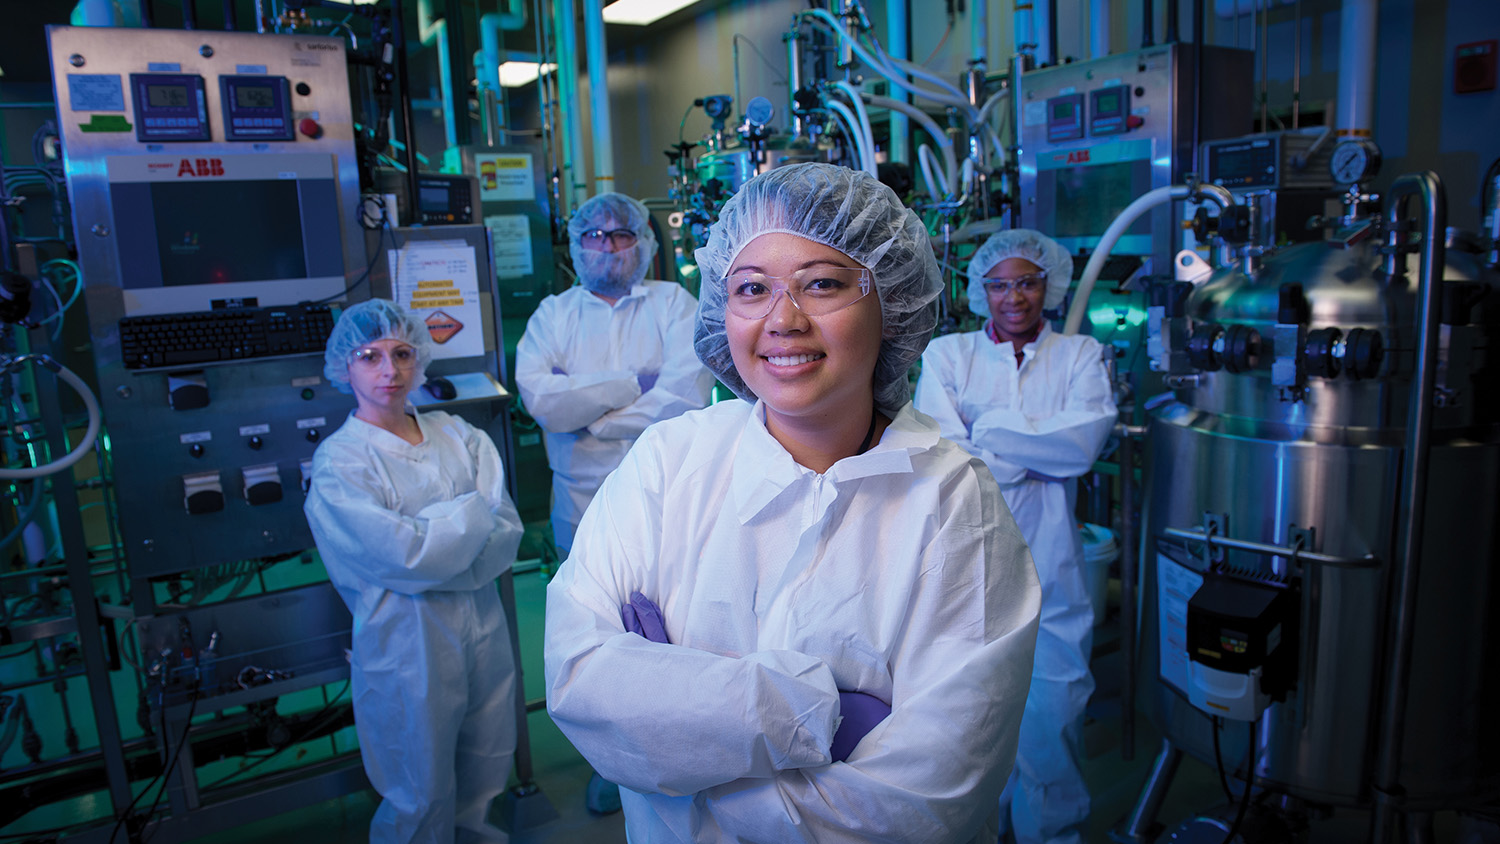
(1239, 816)
(940, 42)
(369, 267)
(779, 75)
(315, 723)
(162, 775)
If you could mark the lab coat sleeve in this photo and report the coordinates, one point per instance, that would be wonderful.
(937, 396)
(1063, 444)
(562, 401)
(682, 385)
(356, 529)
(658, 717)
(505, 538)
(932, 770)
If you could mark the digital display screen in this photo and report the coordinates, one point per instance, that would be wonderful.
(167, 96)
(1061, 111)
(1089, 198)
(204, 237)
(433, 199)
(254, 96)
(1108, 102)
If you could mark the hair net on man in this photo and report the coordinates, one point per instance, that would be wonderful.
(611, 273)
(847, 210)
(371, 320)
(1031, 245)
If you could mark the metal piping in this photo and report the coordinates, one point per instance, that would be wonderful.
(979, 31)
(1172, 36)
(574, 190)
(1148, 24)
(487, 66)
(1128, 576)
(1356, 104)
(1389, 794)
(793, 40)
(598, 59)
(231, 20)
(898, 26)
(403, 81)
(1099, 24)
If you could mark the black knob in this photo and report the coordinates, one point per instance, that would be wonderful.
(256, 443)
(1200, 348)
(303, 89)
(1241, 348)
(1364, 349)
(196, 449)
(312, 435)
(1321, 361)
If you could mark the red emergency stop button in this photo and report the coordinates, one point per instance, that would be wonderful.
(1134, 122)
(310, 127)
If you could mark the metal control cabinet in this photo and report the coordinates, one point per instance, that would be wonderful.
(208, 124)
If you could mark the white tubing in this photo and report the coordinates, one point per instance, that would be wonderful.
(954, 99)
(1112, 235)
(929, 160)
(864, 119)
(944, 143)
(925, 164)
(857, 135)
(984, 110)
(84, 446)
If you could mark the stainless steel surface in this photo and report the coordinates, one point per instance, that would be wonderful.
(1292, 551)
(1405, 578)
(1139, 825)
(1331, 467)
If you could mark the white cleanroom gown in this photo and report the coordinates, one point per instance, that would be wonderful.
(414, 537)
(579, 367)
(897, 573)
(1037, 427)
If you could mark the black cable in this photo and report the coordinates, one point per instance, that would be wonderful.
(1239, 816)
(385, 226)
(1219, 760)
(166, 776)
(315, 724)
(162, 775)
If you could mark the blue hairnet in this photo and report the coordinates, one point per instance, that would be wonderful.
(611, 273)
(847, 210)
(1031, 245)
(371, 320)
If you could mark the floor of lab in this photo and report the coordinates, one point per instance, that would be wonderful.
(562, 775)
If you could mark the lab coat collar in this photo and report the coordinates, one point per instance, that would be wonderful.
(763, 469)
(1007, 348)
(384, 440)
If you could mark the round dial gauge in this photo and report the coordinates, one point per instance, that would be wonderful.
(1354, 161)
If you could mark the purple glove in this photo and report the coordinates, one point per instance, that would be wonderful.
(557, 371)
(643, 618)
(647, 380)
(861, 713)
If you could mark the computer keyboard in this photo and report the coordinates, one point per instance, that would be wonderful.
(234, 334)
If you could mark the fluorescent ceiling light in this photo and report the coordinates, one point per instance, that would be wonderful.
(642, 12)
(516, 74)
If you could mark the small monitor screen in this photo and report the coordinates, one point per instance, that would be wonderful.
(1062, 110)
(167, 96)
(1109, 102)
(260, 238)
(433, 199)
(254, 96)
(1089, 198)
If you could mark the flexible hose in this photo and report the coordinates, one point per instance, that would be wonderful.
(84, 446)
(864, 121)
(953, 99)
(851, 125)
(1112, 235)
(24, 516)
(944, 143)
(937, 179)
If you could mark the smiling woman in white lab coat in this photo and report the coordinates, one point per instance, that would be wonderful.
(835, 612)
(1036, 407)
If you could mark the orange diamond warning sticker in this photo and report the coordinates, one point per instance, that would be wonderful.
(442, 327)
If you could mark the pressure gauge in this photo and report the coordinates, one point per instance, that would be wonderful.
(1354, 161)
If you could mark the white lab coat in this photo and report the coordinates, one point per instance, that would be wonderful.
(1049, 416)
(413, 537)
(897, 573)
(578, 366)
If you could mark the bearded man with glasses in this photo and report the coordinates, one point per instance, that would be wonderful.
(604, 359)
(1037, 408)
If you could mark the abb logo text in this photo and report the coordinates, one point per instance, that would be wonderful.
(201, 167)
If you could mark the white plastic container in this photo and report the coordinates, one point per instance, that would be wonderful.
(1099, 551)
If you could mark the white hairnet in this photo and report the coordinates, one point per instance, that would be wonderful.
(1031, 245)
(371, 320)
(611, 273)
(847, 210)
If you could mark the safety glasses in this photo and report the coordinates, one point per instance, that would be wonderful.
(621, 238)
(816, 291)
(1026, 284)
(372, 358)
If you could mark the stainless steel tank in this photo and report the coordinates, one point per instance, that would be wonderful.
(1326, 472)
(733, 166)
